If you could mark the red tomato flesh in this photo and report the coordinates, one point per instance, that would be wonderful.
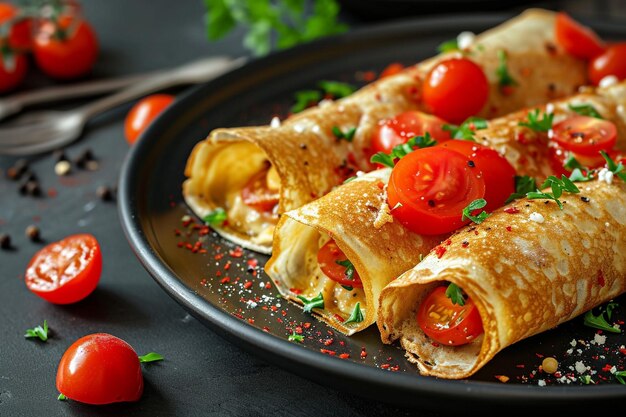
(100, 369)
(447, 323)
(66, 271)
(400, 129)
(456, 89)
(576, 39)
(258, 195)
(327, 258)
(585, 135)
(20, 37)
(12, 76)
(559, 156)
(143, 113)
(429, 188)
(611, 62)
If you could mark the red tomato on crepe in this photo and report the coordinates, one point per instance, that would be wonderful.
(577, 39)
(400, 129)
(328, 259)
(585, 135)
(611, 62)
(257, 194)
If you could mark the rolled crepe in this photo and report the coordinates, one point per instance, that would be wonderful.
(306, 160)
(524, 276)
(358, 218)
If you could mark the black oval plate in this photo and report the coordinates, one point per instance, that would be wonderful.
(234, 298)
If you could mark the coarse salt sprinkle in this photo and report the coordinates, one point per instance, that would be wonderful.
(537, 217)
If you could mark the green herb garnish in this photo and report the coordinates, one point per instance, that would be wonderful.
(40, 332)
(400, 151)
(504, 77)
(455, 294)
(578, 176)
(621, 377)
(305, 98)
(216, 217)
(62, 397)
(349, 272)
(585, 110)
(585, 379)
(572, 163)
(473, 206)
(615, 168)
(600, 321)
(356, 316)
(317, 302)
(467, 129)
(347, 135)
(336, 89)
(295, 337)
(523, 185)
(535, 123)
(449, 46)
(151, 357)
(558, 187)
(352, 178)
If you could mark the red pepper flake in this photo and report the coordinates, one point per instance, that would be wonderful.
(225, 280)
(622, 351)
(385, 366)
(253, 263)
(274, 308)
(369, 76)
(239, 316)
(601, 281)
(344, 355)
(414, 93)
(448, 242)
(227, 266)
(218, 256)
(266, 329)
(251, 321)
(380, 185)
(521, 366)
(539, 355)
(298, 329)
(521, 138)
(180, 244)
(247, 284)
(507, 90)
(607, 367)
(465, 243)
(203, 282)
(339, 318)
(363, 353)
(328, 342)
(202, 251)
(509, 228)
(236, 253)
(296, 291)
(395, 368)
(306, 325)
(502, 378)
(268, 285)
(342, 343)
(440, 251)
(328, 352)
(283, 313)
(511, 210)
(435, 344)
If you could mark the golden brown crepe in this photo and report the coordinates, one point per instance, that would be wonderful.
(357, 217)
(306, 158)
(524, 276)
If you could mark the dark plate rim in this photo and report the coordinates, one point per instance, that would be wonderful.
(300, 360)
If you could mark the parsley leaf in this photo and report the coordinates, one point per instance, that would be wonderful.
(295, 337)
(400, 151)
(216, 217)
(449, 46)
(336, 89)
(151, 357)
(40, 332)
(523, 185)
(467, 129)
(539, 125)
(578, 176)
(558, 187)
(504, 77)
(616, 169)
(585, 379)
(621, 377)
(357, 314)
(599, 321)
(62, 397)
(349, 268)
(305, 98)
(347, 135)
(317, 302)
(572, 163)
(473, 206)
(455, 294)
(585, 110)
(383, 159)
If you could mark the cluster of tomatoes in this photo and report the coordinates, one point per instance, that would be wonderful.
(63, 45)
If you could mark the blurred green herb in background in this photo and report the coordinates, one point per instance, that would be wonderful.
(273, 24)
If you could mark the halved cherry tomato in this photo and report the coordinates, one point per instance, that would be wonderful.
(20, 33)
(585, 135)
(65, 52)
(391, 69)
(327, 258)
(100, 369)
(258, 195)
(456, 89)
(66, 271)
(611, 62)
(13, 68)
(429, 188)
(447, 323)
(396, 131)
(143, 113)
(577, 39)
(559, 156)
(496, 171)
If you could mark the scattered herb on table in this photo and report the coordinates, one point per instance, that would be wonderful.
(39, 331)
(151, 357)
(295, 337)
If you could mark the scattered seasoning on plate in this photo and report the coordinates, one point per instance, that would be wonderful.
(33, 233)
(5, 241)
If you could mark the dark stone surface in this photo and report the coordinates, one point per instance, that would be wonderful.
(203, 374)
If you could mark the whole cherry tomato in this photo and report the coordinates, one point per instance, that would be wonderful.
(585, 135)
(66, 49)
(100, 369)
(447, 323)
(456, 89)
(577, 39)
(611, 62)
(13, 68)
(66, 271)
(328, 257)
(143, 113)
(20, 33)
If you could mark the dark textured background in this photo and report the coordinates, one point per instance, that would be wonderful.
(203, 374)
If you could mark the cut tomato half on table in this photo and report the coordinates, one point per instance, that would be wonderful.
(585, 135)
(448, 323)
(66, 271)
(330, 259)
(610, 62)
(576, 39)
(429, 188)
(400, 129)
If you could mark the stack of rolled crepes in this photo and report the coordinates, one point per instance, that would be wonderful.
(302, 160)
(356, 216)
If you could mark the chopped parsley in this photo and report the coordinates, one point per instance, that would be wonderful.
(336, 89)
(449, 46)
(295, 337)
(537, 124)
(585, 110)
(383, 159)
(151, 357)
(600, 321)
(400, 151)
(40, 332)
(356, 316)
(305, 98)
(578, 176)
(62, 397)
(348, 135)
(572, 163)
(467, 129)
(523, 185)
(558, 187)
(621, 377)
(455, 294)
(317, 302)
(216, 217)
(473, 206)
(504, 77)
(349, 272)
(615, 168)
(585, 379)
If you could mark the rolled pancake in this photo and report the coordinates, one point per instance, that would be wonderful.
(525, 277)
(307, 159)
(357, 217)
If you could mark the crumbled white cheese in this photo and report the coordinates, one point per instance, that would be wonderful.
(599, 339)
(550, 134)
(251, 304)
(465, 39)
(573, 343)
(549, 108)
(605, 175)
(299, 128)
(261, 284)
(613, 369)
(580, 367)
(275, 122)
(326, 102)
(608, 81)
(537, 217)
(541, 382)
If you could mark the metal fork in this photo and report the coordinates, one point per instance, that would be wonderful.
(48, 130)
